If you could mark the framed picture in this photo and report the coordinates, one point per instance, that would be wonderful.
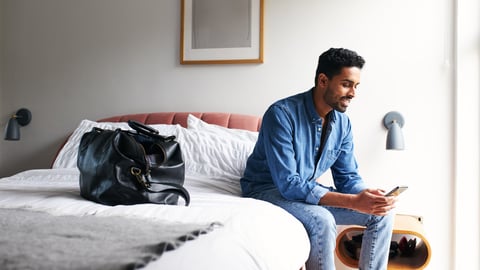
(221, 31)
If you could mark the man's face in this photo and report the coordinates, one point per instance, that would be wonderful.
(340, 89)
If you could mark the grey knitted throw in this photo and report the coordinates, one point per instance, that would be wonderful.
(37, 240)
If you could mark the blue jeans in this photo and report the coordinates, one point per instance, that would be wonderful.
(321, 223)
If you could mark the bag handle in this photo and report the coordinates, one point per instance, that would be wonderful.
(147, 130)
(142, 128)
(175, 189)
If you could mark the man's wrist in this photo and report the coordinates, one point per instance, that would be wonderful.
(337, 199)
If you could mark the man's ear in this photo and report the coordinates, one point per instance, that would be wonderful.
(322, 80)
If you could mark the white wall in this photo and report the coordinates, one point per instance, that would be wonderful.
(68, 60)
(467, 135)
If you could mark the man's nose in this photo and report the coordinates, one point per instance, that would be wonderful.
(351, 92)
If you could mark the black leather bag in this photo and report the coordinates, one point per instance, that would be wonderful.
(131, 167)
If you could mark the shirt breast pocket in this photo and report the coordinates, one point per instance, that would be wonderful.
(330, 157)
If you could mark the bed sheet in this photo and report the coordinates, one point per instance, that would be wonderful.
(255, 234)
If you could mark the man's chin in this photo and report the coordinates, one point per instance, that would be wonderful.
(340, 109)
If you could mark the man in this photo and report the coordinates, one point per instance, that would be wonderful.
(303, 136)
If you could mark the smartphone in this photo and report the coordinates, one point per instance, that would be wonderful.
(396, 191)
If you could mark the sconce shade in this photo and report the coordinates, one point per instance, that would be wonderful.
(12, 130)
(394, 122)
(21, 118)
(395, 138)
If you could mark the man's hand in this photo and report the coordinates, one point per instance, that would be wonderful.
(369, 201)
(374, 201)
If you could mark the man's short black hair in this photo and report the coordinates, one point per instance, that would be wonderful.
(332, 61)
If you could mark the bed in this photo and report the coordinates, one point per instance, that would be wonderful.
(218, 230)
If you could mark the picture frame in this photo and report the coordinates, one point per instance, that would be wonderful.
(221, 31)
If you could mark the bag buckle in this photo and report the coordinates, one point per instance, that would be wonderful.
(140, 177)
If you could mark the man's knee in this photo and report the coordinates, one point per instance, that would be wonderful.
(321, 222)
(382, 221)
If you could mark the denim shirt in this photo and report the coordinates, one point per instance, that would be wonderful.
(287, 153)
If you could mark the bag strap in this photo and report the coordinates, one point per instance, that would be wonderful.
(174, 188)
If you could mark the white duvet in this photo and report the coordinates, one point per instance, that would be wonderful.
(256, 235)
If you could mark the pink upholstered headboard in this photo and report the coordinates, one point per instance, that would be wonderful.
(229, 120)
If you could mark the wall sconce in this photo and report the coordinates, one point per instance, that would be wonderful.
(21, 118)
(393, 121)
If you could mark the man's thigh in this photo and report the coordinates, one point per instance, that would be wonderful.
(344, 216)
(304, 211)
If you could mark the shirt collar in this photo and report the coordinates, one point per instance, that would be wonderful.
(332, 115)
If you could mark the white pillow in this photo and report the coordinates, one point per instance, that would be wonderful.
(216, 152)
(195, 123)
(67, 157)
